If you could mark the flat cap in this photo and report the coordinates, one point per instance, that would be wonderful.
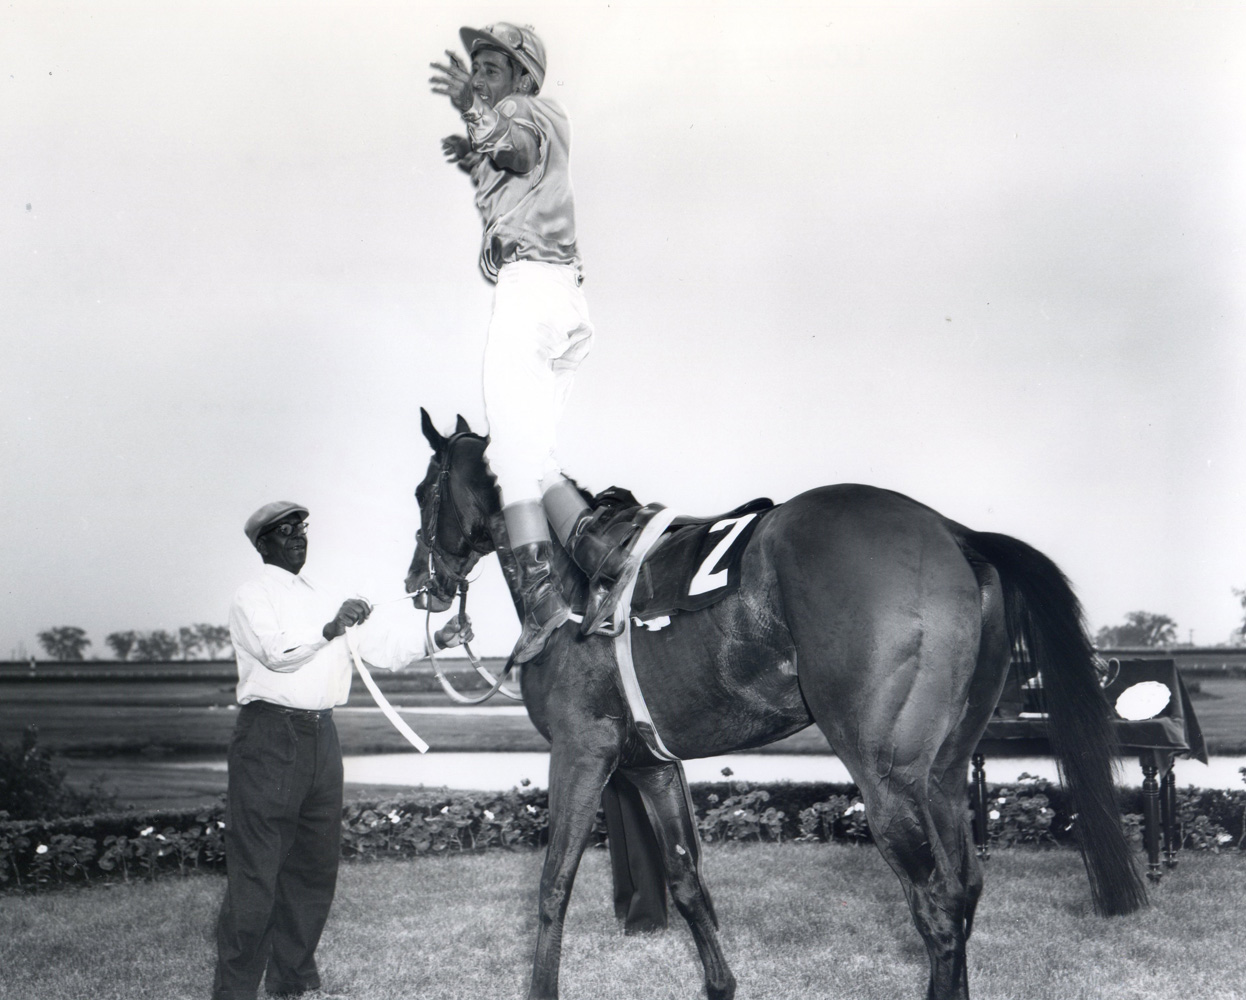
(268, 514)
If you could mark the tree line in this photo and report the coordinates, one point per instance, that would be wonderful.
(68, 642)
(190, 642)
(1145, 628)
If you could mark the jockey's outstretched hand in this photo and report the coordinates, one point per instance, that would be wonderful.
(454, 81)
(455, 632)
(456, 148)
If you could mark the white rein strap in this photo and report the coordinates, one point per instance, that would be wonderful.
(382, 702)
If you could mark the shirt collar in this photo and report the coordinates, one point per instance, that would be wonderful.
(282, 576)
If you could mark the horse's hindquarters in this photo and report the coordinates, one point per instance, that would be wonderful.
(885, 614)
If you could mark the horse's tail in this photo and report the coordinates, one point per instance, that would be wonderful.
(1042, 609)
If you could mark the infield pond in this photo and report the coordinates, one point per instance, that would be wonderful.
(500, 771)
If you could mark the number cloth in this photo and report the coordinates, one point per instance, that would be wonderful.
(698, 561)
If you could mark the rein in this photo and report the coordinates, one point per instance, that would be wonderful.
(496, 683)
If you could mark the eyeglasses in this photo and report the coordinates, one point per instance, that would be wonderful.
(288, 529)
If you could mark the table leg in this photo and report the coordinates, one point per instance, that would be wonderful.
(1168, 810)
(981, 831)
(1150, 818)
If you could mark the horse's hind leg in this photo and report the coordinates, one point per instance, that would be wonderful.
(665, 792)
(576, 779)
(951, 766)
(887, 719)
(905, 832)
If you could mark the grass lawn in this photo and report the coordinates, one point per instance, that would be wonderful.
(1220, 705)
(814, 922)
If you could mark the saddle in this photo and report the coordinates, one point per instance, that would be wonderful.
(696, 561)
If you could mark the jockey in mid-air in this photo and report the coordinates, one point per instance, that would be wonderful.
(516, 152)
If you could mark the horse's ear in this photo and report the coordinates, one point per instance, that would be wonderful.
(430, 432)
(460, 425)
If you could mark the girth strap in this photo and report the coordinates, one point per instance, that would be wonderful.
(649, 536)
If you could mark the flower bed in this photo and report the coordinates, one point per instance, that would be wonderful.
(39, 854)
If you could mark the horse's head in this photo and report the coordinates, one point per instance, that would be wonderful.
(457, 497)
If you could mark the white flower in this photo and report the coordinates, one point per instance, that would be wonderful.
(994, 814)
(444, 810)
(1002, 799)
(856, 807)
(530, 807)
(1224, 838)
(41, 849)
(738, 812)
(394, 817)
(220, 824)
(160, 836)
(488, 814)
(146, 832)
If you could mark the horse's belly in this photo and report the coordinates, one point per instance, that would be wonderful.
(718, 680)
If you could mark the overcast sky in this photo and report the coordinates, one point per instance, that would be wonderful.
(988, 255)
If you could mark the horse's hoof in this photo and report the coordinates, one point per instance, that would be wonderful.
(724, 992)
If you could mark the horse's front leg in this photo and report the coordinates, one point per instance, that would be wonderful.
(576, 779)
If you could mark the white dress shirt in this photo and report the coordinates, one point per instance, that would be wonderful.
(276, 624)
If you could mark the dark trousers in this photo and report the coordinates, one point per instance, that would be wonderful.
(283, 828)
(636, 864)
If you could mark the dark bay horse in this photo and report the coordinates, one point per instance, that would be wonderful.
(858, 609)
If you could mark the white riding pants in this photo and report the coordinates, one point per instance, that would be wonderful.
(538, 335)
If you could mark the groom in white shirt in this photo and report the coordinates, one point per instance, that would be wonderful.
(284, 805)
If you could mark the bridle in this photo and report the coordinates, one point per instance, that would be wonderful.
(440, 572)
(442, 498)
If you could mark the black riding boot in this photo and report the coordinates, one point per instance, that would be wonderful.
(544, 608)
(610, 568)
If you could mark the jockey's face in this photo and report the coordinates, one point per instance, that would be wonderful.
(493, 75)
(284, 543)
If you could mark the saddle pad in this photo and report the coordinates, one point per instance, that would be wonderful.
(697, 562)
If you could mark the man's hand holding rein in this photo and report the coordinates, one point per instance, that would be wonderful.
(353, 611)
